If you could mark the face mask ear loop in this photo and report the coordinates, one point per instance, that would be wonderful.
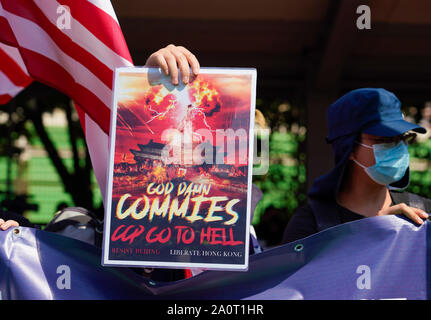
(359, 164)
(364, 145)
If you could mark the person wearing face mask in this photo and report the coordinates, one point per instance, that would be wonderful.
(370, 140)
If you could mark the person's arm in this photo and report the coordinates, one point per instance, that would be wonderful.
(172, 59)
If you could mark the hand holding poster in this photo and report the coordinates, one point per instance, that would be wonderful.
(179, 183)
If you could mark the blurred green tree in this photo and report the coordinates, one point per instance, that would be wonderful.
(284, 185)
(420, 175)
(26, 119)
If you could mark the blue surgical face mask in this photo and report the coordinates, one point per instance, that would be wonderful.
(392, 161)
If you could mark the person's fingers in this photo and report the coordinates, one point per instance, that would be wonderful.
(171, 58)
(410, 213)
(8, 224)
(161, 62)
(1, 221)
(192, 60)
(404, 209)
(420, 213)
(158, 60)
(182, 63)
(172, 66)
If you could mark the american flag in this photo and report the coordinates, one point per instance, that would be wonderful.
(13, 74)
(73, 46)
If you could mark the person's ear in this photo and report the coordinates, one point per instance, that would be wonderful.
(353, 153)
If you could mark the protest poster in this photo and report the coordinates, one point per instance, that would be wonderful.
(179, 180)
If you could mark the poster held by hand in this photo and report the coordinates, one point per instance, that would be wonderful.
(179, 181)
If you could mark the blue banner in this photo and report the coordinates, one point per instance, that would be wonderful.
(374, 258)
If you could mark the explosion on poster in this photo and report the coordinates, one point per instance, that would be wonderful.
(180, 172)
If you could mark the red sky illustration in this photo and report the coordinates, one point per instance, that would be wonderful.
(148, 104)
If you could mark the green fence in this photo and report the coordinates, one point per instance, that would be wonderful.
(38, 179)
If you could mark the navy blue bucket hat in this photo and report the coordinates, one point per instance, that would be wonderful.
(367, 110)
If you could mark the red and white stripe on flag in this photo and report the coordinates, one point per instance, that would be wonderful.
(77, 58)
(13, 73)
